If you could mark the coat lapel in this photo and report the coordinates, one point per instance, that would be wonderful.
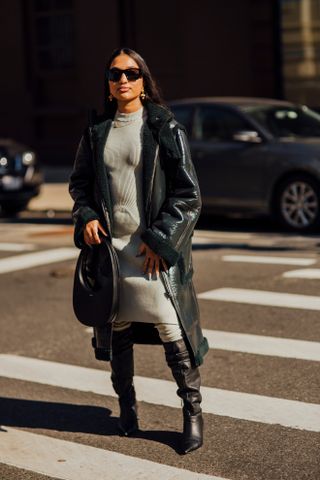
(156, 133)
(100, 135)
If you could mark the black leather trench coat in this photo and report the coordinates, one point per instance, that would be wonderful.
(172, 206)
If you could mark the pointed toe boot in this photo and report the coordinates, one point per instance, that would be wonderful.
(192, 432)
(188, 381)
(122, 371)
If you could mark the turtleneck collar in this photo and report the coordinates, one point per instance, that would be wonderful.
(122, 119)
(157, 115)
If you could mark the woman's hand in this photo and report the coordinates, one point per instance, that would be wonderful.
(91, 232)
(152, 261)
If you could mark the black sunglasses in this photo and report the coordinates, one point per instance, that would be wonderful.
(114, 74)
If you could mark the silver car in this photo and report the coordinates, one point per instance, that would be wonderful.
(255, 156)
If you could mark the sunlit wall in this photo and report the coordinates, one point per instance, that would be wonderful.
(301, 50)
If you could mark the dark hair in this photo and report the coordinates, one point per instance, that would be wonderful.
(151, 88)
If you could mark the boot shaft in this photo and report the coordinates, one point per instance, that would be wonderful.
(186, 376)
(122, 363)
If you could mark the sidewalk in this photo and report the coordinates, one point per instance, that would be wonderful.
(54, 194)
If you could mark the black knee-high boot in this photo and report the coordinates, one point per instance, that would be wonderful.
(122, 371)
(188, 381)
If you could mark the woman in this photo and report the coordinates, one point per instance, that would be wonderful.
(133, 180)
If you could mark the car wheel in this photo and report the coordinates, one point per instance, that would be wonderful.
(297, 203)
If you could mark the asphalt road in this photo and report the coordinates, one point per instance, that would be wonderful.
(270, 431)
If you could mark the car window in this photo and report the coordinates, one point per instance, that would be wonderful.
(218, 124)
(287, 121)
(183, 114)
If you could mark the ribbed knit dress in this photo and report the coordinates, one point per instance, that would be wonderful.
(141, 299)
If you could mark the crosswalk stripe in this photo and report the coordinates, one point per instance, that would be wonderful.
(30, 260)
(74, 461)
(261, 297)
(212, 235)
(309, 273)
(269, 260)
(245, 406)
(260, 344)
(263, 345)
(16, 247)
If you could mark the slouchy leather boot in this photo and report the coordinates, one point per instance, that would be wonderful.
(188, 380)
(122, 370)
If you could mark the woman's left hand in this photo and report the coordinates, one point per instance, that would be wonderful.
(152, 262)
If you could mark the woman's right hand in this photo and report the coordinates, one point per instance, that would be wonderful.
(91, 232)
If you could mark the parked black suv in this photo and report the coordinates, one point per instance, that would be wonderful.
(255, 156)
(20, 176)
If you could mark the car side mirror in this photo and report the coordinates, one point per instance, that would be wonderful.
(247, 136)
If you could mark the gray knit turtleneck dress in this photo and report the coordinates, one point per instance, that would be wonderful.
(141, 299)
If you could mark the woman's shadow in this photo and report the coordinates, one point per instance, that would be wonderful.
(73, 418)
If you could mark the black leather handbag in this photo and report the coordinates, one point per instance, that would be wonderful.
(96, 284)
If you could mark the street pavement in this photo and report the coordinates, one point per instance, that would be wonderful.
(259, 300)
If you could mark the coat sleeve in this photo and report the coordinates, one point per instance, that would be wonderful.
(181, 209)
(81, 186)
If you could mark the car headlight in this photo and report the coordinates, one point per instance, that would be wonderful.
(28, 158)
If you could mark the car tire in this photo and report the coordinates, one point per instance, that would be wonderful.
(297, 203)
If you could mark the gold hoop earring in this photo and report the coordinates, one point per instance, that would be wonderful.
(142, 94)
(110, 97)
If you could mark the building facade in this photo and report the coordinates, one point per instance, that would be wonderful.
(301, 50)
(55, 53)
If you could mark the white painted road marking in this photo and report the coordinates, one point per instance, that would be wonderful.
(260, 344)
(30, 260)
(214, 234)
(269, 260)
(244, 406)
(263, 345)
(74, 461)
(309, 273)
(16, 247)
(261, 297)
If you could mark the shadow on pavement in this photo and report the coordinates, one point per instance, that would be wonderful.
(243, 246)
(66, 417)
(171, 439)
(261, 224)
(258, 224)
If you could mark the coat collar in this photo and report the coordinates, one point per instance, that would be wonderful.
(157, 115)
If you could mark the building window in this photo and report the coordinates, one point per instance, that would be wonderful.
(54, 34)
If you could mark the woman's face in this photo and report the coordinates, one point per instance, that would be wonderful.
(124, 90)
